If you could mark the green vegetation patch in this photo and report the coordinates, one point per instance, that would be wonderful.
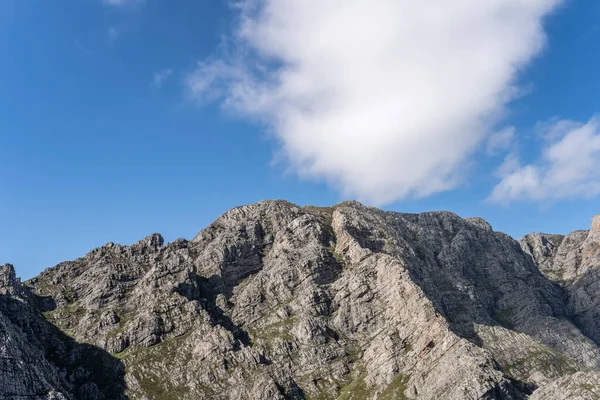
(155, 360)
(396, 389)
(550, 362)
(280, 329)
(355, 390)
(338, 257)
(159, 389)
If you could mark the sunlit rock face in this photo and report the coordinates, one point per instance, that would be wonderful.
(277, 301)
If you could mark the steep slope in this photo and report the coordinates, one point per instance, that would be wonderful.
(572, 261)
(39, 362)
(25, 371)
(579, 386)
(275, 301)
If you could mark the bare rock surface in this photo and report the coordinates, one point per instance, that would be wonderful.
(580, 386)
(277, 301)
(573, 262)
(38, 361)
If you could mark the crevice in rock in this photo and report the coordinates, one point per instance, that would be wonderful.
(206, 291)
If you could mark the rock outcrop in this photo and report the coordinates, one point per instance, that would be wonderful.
(38, 361)
(573, 262)
(276, 301)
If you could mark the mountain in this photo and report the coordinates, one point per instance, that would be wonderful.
(276, 301)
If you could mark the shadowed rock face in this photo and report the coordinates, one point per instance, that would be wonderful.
(38, 361)
(276, 301)
(573, 262)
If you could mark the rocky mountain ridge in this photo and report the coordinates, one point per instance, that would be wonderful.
(276, 301)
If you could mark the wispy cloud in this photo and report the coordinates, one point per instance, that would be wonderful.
(161, 76)
(124, 3)
(385, 100)
(501, 140)
(568, 168)
(211, 80)
(83, 48)
(113, 34)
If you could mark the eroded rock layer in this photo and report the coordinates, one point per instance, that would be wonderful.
(276, 301)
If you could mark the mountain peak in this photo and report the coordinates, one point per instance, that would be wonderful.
(276, 301)
(153, 241)
(9, 283)
(596, 223)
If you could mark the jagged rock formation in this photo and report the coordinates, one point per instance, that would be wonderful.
(276, 301)
(573, 262)
(38, 361)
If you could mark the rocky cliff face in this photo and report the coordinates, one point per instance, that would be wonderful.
(276, 301)
(38, 361)
(573, 262)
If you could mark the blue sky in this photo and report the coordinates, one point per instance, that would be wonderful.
(122, 119)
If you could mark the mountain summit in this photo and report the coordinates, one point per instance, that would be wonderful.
(277, 301)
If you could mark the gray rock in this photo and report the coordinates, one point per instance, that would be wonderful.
(276, 301)
(580, 386)
(573, 262)
(37, 361)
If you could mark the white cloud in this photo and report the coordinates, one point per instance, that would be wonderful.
(161, 76)
(500, 141)
(384, 99)
(510, 164)
(568, 168)
(554, 128)
(210, 80)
